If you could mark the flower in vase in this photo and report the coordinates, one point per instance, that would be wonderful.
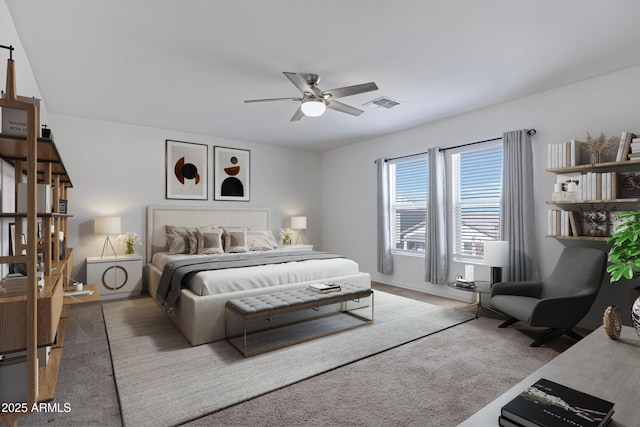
(286, 234)
(129, 240)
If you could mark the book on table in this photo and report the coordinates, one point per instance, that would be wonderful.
(549, 404)
(324, 288)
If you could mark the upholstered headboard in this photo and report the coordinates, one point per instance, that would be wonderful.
(193, 216)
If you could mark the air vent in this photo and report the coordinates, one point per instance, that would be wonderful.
(382, 102)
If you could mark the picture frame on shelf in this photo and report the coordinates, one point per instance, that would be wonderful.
(186, 170)
(16, 267)
(232, 174)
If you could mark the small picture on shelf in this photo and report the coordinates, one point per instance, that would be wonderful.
(615, 221)
(630, 185)
(596, 221)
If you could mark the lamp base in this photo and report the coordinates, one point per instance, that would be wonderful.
(107, 242)
(299, 236)
(496, 275)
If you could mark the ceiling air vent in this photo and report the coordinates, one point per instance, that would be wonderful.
(382, 102)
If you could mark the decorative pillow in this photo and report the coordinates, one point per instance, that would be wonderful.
(209, 240)
(235, 239)
(261, 240)
(178, 244)
(187, 232)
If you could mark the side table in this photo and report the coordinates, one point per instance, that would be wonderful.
(480, 288)
(116, 277)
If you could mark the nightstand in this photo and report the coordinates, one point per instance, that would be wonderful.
(117, 277)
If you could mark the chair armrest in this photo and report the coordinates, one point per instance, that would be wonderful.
(531, 288)
(563, 312)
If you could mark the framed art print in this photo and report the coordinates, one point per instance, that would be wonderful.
(186, 170)
(231, 172)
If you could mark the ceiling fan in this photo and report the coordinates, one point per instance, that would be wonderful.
(314, 101)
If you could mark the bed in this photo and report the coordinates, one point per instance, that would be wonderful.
(197, 306)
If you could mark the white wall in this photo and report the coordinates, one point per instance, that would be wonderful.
(119, 169)
(609, 104)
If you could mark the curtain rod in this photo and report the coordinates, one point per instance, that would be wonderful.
(530, 132)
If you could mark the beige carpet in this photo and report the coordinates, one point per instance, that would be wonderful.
(162, 380)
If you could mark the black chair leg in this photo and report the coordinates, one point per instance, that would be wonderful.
(547, 336)
(554, 333)
(573, 334)
(510, 321)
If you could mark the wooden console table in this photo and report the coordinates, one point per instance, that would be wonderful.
(596, 365)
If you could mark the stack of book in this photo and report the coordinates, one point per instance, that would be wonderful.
(17, 283)
(324, 288)
(563, 154)
(464, 283)
(563, 223)
(550, 404)
(635, 149)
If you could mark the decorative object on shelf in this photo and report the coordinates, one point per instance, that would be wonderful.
(129, 240)
(299, 223)
(630, 186)
(624, 256)
(612, 321)
(597, 147)
(597, 219)
(107, 225)
(496, 256)
(186, 170)
(286, 234)
(635, 315)
(231, 173)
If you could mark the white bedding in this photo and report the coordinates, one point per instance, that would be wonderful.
(238, 279)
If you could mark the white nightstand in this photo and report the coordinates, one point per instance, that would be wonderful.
(117, 277)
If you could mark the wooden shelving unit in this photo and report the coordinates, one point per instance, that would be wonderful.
(34, 319)
(623, 166)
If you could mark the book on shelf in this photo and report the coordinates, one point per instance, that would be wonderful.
(324, 288)
(546, 403)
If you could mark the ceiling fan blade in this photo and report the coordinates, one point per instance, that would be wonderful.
(344, 108)
(298, 82)
(273, 99)
(297, 115)
(350, 90)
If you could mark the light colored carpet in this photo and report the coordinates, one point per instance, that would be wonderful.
(163, 380)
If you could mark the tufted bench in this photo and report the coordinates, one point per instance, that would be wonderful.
(267, 305)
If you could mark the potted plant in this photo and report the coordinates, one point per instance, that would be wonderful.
(624, 255)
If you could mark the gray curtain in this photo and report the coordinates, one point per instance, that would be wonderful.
(436, 261)
(517, 209)
(385, 260)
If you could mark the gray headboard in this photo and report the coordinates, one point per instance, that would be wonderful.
(194, 216)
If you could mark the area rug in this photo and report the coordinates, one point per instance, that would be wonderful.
(162, 380)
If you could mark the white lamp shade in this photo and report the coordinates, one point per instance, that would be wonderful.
(299, 222)
(496, 253)
(106, 225)
(313, 107)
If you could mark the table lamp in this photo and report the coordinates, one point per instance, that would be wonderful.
(107, 225)
(299, 223)
(496, 256)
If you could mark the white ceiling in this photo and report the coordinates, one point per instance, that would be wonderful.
(188, 65)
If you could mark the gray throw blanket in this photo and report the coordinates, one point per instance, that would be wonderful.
(177, 273)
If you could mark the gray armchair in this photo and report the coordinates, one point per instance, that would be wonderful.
(558, 302)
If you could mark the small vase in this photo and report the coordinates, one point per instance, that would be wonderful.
(286, 242)
(612, 321)
(635, 315)
(595, 158)
(129, 250)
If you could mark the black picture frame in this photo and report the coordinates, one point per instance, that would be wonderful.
(231, 174)
(186, 167)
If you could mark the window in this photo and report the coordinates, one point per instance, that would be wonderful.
(477, 184)
(408, 204)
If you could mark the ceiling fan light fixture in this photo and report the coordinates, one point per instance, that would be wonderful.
(313, 107)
